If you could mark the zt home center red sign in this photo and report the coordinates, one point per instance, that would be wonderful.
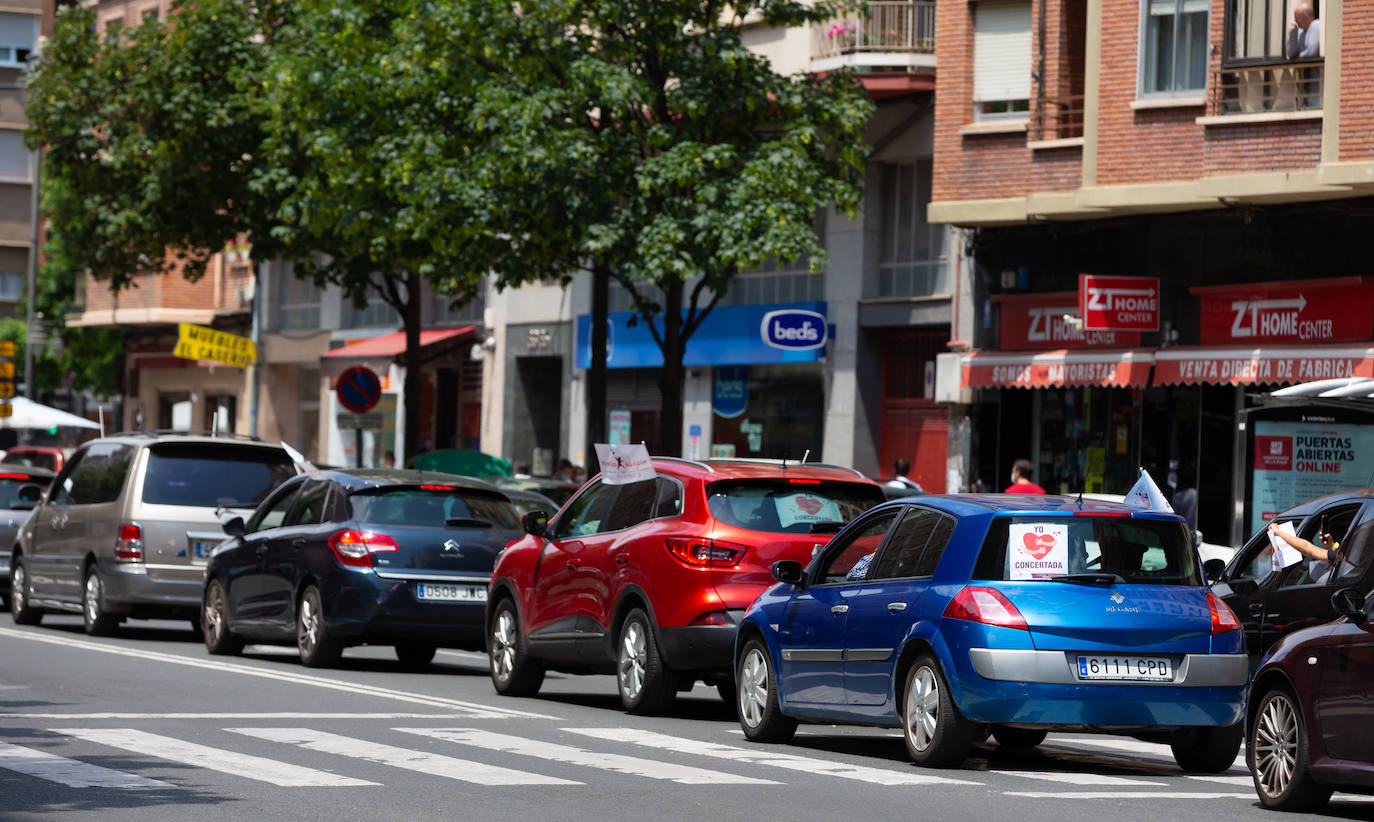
(1315, 311)
(1118, 303)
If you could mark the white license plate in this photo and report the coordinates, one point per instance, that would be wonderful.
(1126, 668)
(437, 592)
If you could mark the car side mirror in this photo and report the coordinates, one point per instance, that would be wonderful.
(28, 497)
(788, 571)
(536, 523)
(1212, 568)
(234, 526)
(1349, 603)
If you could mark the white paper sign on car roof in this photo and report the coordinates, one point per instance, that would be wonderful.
(624, 464)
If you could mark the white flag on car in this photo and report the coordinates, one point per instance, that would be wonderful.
(1145, 494)
(624, 464)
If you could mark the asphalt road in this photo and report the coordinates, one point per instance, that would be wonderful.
(147, 726)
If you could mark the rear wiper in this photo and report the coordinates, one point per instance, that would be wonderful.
(1095, 579)
(466, 522)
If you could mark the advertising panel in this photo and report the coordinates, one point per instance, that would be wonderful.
(1039, 322)
(1316, 311)
(1118, 303)
(1296, 460)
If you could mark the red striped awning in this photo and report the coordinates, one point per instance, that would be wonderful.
(1260, 366)
(1052, 369)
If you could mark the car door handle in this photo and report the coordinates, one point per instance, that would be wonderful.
(894, 607)
(1256, 608)
(839, 609)
(260, 547)
(298, 543)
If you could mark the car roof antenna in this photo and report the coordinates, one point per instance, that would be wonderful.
(805, 455)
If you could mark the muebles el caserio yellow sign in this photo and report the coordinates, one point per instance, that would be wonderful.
(196, 342)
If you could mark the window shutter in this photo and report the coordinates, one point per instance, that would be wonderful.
(1001, 50)
(18, 30)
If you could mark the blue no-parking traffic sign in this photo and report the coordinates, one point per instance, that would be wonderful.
(359, 389)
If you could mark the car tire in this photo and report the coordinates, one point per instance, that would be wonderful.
(1209, 750)
(415, 654)
(21, 596)
(318, 647)
(98, 621)
(1277, 755)
(936, 734)
(513, 672)
(219, 639)
(647, 685)
(1018, 737)
(760, 715)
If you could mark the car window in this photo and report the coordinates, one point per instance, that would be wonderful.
(100, 475)
(61, 485)
(1339, 522)
(669, 500)
(308, 507)
(1139, 550)
(273, 513)
(10, 483)
(31, 459)
(209, 475)
(904, 552)
(935, 548)
(634, 504)
(790, 506)
(847, 557)
(586, 514)
(432, 506)
(1256, 560)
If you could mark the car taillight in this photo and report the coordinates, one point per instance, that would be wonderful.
(985, 605)
(357, 547)
(712, 618)
(704, 553)
(129, 546)
(1223, 618)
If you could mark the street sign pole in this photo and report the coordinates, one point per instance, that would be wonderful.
(358, 390)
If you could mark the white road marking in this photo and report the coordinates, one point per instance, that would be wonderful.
(219, 717)
(70, 772)
(1238, 781)
(1127, 795)
(478, 773)
(1079, 778)
(765, 756)
(214, 759)
(476, 710)
(618, 763)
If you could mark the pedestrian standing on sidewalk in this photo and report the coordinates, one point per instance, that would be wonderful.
(1021, 479)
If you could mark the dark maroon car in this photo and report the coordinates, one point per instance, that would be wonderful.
(1310, 721)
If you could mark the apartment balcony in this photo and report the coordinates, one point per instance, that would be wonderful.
(1057, 118)
(890, 44)
(1277, 88)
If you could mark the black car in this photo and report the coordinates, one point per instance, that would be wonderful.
(1273, 602)
(351, 557)
(1310, 724)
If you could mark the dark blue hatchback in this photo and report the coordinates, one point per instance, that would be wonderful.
(339, 558)
(957, 616)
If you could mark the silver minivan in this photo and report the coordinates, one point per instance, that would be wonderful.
(127, 525)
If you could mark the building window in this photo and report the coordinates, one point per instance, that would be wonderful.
(18, 33)
(443, 312)
(11, 285)
(15, 160)
(1174, 47)
(1001, 60)
(298, 303)
(911, 258)
(1260, 32)
(376, 313)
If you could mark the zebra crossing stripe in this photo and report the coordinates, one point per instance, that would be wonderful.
(478, 773)
(1127, 795)
(765, 756)
(1238, 781)
(70, 772)
(618, 763)
(214, 759)
(1081, 778)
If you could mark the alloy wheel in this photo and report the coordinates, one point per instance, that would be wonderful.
(92, 603)
(309, 635)
(503, 645)
(1276, 746)
(214, 613)
(753, 687)
(19, 592)
(631, 668)
(922, 708)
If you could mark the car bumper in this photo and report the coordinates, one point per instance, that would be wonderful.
(700, 647)
(128, 585)
(1042, 688)
(368, 608)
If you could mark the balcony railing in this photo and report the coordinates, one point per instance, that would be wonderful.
(883, 27)
(1287, 86)
(1057, 118)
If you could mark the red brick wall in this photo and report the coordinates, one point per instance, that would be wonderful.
(1357, 82)
(175, 291)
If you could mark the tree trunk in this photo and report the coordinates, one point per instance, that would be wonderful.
(596, 372)
(411, 317)
(670, 385)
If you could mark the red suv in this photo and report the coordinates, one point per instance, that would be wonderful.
(649, 580)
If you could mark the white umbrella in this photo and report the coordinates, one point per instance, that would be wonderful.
(30, 414)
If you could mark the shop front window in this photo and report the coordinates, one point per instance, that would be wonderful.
(783, 418)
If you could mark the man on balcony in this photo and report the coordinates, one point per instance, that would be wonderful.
(1304, 33)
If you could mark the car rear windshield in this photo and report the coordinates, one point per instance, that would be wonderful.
(32, 459)
(208, 476)
(433, 507)
(10, 485)
(1146, 551)
(790, 507)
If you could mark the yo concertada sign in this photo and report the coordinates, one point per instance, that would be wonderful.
(793, 329)
(1118, 303)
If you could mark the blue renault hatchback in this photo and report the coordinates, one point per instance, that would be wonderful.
(954, 617)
